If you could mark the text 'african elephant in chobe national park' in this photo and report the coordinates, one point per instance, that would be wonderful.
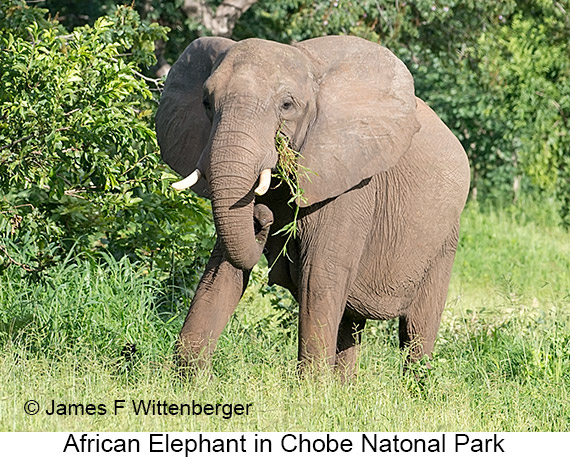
(378, 219)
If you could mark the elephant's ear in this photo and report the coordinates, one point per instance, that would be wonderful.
(182, 125)
(366, 115)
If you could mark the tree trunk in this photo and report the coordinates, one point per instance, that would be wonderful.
(223, 20)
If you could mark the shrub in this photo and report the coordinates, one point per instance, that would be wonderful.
(79, 166)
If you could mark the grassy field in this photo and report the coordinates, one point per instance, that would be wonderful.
(501, 362)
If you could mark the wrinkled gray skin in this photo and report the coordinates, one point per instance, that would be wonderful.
(378, 230)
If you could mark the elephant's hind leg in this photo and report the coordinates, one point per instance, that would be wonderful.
(347, 345)
(420, 323)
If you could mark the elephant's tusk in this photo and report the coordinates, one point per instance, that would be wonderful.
(189, 181)
(264, 182)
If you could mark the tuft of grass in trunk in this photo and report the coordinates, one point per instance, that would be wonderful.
(289, 171)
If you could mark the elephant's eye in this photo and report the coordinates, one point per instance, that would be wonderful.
(286, 105)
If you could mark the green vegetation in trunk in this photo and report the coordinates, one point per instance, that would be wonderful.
(289, 171)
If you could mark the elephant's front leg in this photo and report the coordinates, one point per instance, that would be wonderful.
(331, 241)
(216, 298)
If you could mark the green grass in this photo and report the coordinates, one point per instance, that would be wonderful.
(501, 362)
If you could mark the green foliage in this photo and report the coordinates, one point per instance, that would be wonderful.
(77, 13)
(183, 29)
(79, 168)
(15, 17)
(505, 95)
(408, 27)
(169, 13)
(525, 68)
(523, 251)
(94, 310)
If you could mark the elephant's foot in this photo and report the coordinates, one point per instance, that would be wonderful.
(193, 355)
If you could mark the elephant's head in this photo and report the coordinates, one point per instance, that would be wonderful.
(347, 105)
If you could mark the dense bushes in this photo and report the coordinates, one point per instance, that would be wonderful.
(79, 167)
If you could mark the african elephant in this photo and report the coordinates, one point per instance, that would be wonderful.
(379, 219)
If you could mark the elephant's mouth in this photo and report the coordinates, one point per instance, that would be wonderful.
(262, 220)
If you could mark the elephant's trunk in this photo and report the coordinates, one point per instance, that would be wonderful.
(235, 163)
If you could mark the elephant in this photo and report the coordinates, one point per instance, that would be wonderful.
(377, 224)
